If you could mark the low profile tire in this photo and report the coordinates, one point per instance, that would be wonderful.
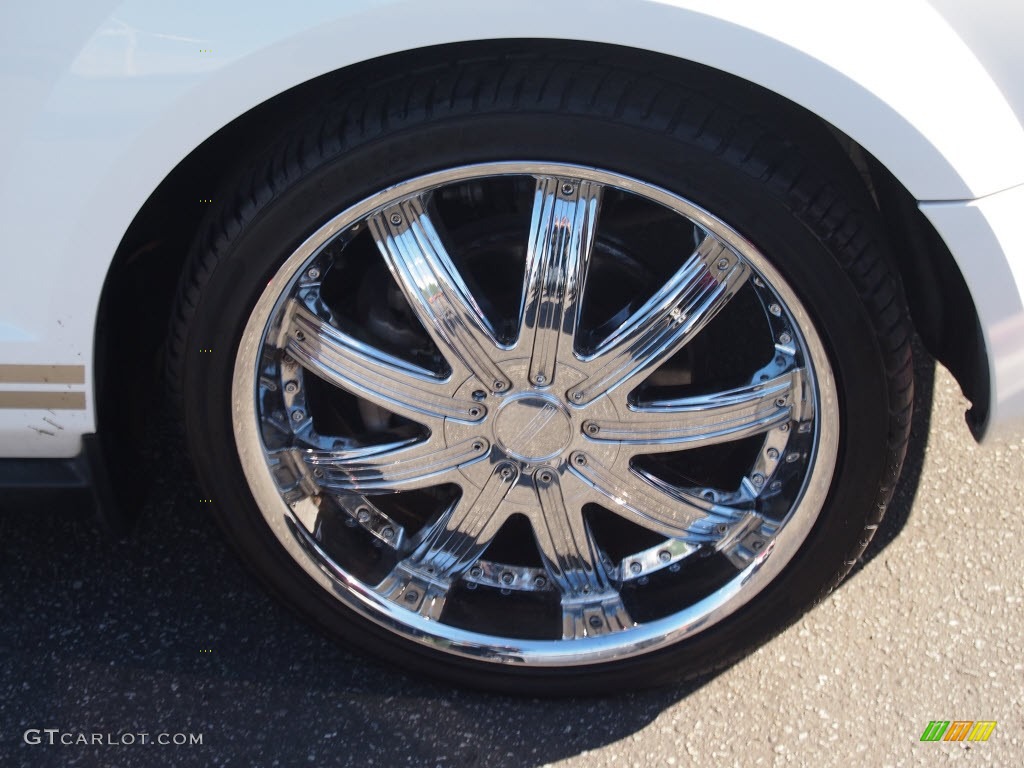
(543, 377)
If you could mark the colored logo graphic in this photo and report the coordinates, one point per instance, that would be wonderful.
(958, 730)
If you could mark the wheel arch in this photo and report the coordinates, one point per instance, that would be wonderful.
(139, 288)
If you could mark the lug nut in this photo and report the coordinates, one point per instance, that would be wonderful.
(479, 395)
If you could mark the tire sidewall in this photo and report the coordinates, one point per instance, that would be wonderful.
(267, 232)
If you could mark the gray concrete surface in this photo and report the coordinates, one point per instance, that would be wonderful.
(165, 633)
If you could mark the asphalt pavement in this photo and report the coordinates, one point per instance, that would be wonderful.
(164, 634)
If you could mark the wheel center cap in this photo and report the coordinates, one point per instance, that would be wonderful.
(533, 427)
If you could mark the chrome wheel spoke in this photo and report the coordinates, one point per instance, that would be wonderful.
(590, 605)
(561, 236)
(694, 422)
(416, 256)
(450, 546)
(372, 374)
(666, 322)
(657, 508)
(399, 466)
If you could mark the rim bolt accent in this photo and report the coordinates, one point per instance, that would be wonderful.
(388, 533)
(396, 219)
(785, 338)
(318, 472)
(784, 428)
(793, 457)
(721, 529)
(287, 361)
(635, 567)
(592, 428)
(474, 412)
(758, 480)
(568, 189)
(757, 545)
(506, 473)
(773, 454)
(478, 446)
(479, 395)
(498, 386)
(363, 515)
(313, 273)
(476, 571)
(540, 378)
(298, 415)
(664, 555)
(540, 581)
(775, 309)
(545, 476)
(723, 264)
(291, 387)
(577, 395)
(300, 335)
(507, 577)
(412, 596)
(579, 460)
(595, 622)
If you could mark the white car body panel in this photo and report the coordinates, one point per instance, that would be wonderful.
(102, 100)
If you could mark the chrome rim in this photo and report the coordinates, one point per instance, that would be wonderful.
(535, 413)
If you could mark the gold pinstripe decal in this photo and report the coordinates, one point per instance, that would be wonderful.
(66, 401)
(42, 374)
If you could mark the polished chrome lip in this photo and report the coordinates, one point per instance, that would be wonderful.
(643, 638)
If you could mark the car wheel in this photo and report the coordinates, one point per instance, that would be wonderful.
(527, 377)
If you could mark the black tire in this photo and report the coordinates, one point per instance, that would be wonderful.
(815, 228)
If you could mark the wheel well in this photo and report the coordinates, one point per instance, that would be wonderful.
(141, 283)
